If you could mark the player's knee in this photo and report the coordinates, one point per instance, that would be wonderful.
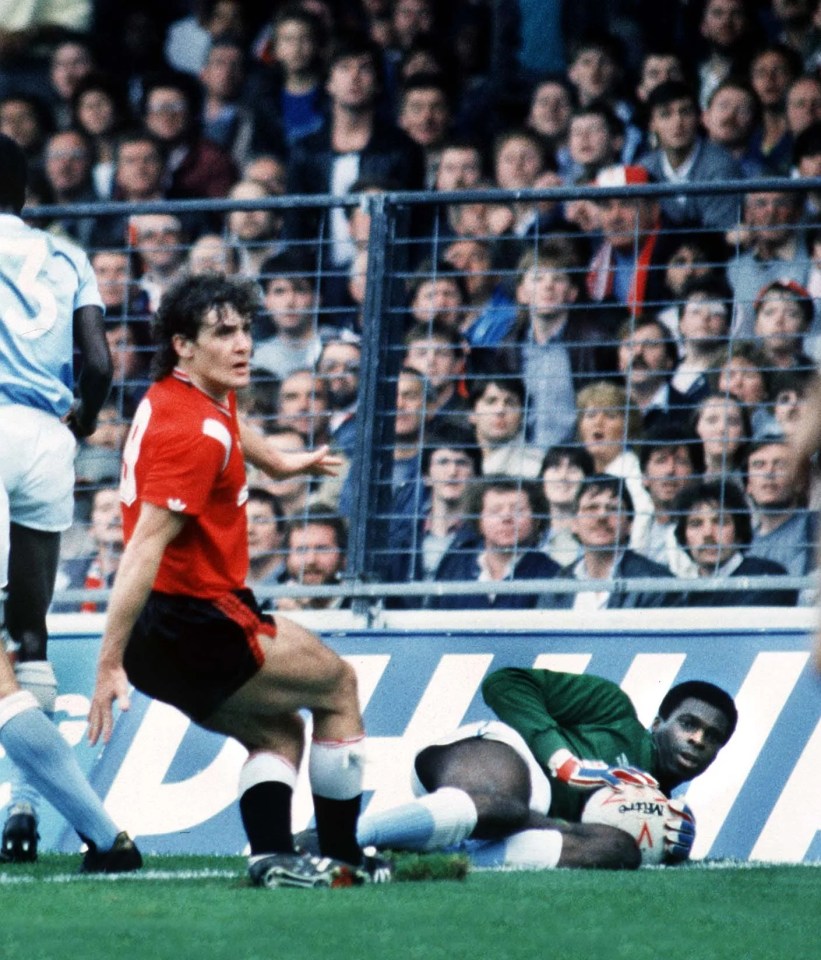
(345, 682)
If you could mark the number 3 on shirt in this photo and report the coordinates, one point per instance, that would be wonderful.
(131, 452)
(41, 313)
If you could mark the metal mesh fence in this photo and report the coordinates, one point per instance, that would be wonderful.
(554, 398)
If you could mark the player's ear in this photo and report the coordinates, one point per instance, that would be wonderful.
(657, 721)
(183, 346)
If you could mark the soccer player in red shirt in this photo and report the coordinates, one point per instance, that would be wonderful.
(183, 627)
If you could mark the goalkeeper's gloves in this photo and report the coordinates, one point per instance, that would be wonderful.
(591, 774)
(679, 831)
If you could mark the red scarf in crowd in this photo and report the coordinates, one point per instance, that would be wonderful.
(601, 276)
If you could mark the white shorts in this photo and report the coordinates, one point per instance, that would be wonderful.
(496, 730)
(37, 468)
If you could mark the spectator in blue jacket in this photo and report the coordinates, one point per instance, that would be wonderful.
(508, 515)
(715, 527)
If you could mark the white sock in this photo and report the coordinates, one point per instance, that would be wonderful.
(335, 768)
(37, 676)
(432, 822)
(526, 850)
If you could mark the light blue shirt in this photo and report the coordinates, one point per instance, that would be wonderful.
(43, 280)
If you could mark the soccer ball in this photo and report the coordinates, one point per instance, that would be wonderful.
(638, 810)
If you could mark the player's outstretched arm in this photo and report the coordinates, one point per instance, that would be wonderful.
(316, 463)
(154, 530)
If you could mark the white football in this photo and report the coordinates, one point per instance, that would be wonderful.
(639, 811)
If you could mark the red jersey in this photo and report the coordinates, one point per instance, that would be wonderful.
(183, 454)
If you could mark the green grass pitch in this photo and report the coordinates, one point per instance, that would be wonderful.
(202, 907)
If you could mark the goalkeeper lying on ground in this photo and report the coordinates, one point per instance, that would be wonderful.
(512, 793)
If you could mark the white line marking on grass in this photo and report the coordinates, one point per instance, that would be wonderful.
(7, 879)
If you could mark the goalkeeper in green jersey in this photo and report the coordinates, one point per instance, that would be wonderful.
(520, 786)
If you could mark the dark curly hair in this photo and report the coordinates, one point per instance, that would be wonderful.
(185, 305)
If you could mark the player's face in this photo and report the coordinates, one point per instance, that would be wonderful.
(497, 416)
(689, 739)
(314, 556)
(710, 537)
(601, 522)
(506, 521)
(219, 360)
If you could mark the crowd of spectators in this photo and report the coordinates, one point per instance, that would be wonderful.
(585, 388)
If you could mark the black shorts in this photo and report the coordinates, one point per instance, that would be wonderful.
(195, 653)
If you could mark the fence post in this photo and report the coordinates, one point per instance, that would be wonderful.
(372, 462)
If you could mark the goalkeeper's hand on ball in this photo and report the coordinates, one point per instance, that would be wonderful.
(679, 831)
(592, 774)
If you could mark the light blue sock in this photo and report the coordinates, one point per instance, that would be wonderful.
(432, 822)
(36, 676)
(33, 742)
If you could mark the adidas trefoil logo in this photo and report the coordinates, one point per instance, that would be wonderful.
(176, 505)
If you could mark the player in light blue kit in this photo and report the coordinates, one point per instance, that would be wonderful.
(49, 303)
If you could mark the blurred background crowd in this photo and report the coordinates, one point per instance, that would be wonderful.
(586, 388)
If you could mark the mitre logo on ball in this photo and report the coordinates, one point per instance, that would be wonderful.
(638, 810)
